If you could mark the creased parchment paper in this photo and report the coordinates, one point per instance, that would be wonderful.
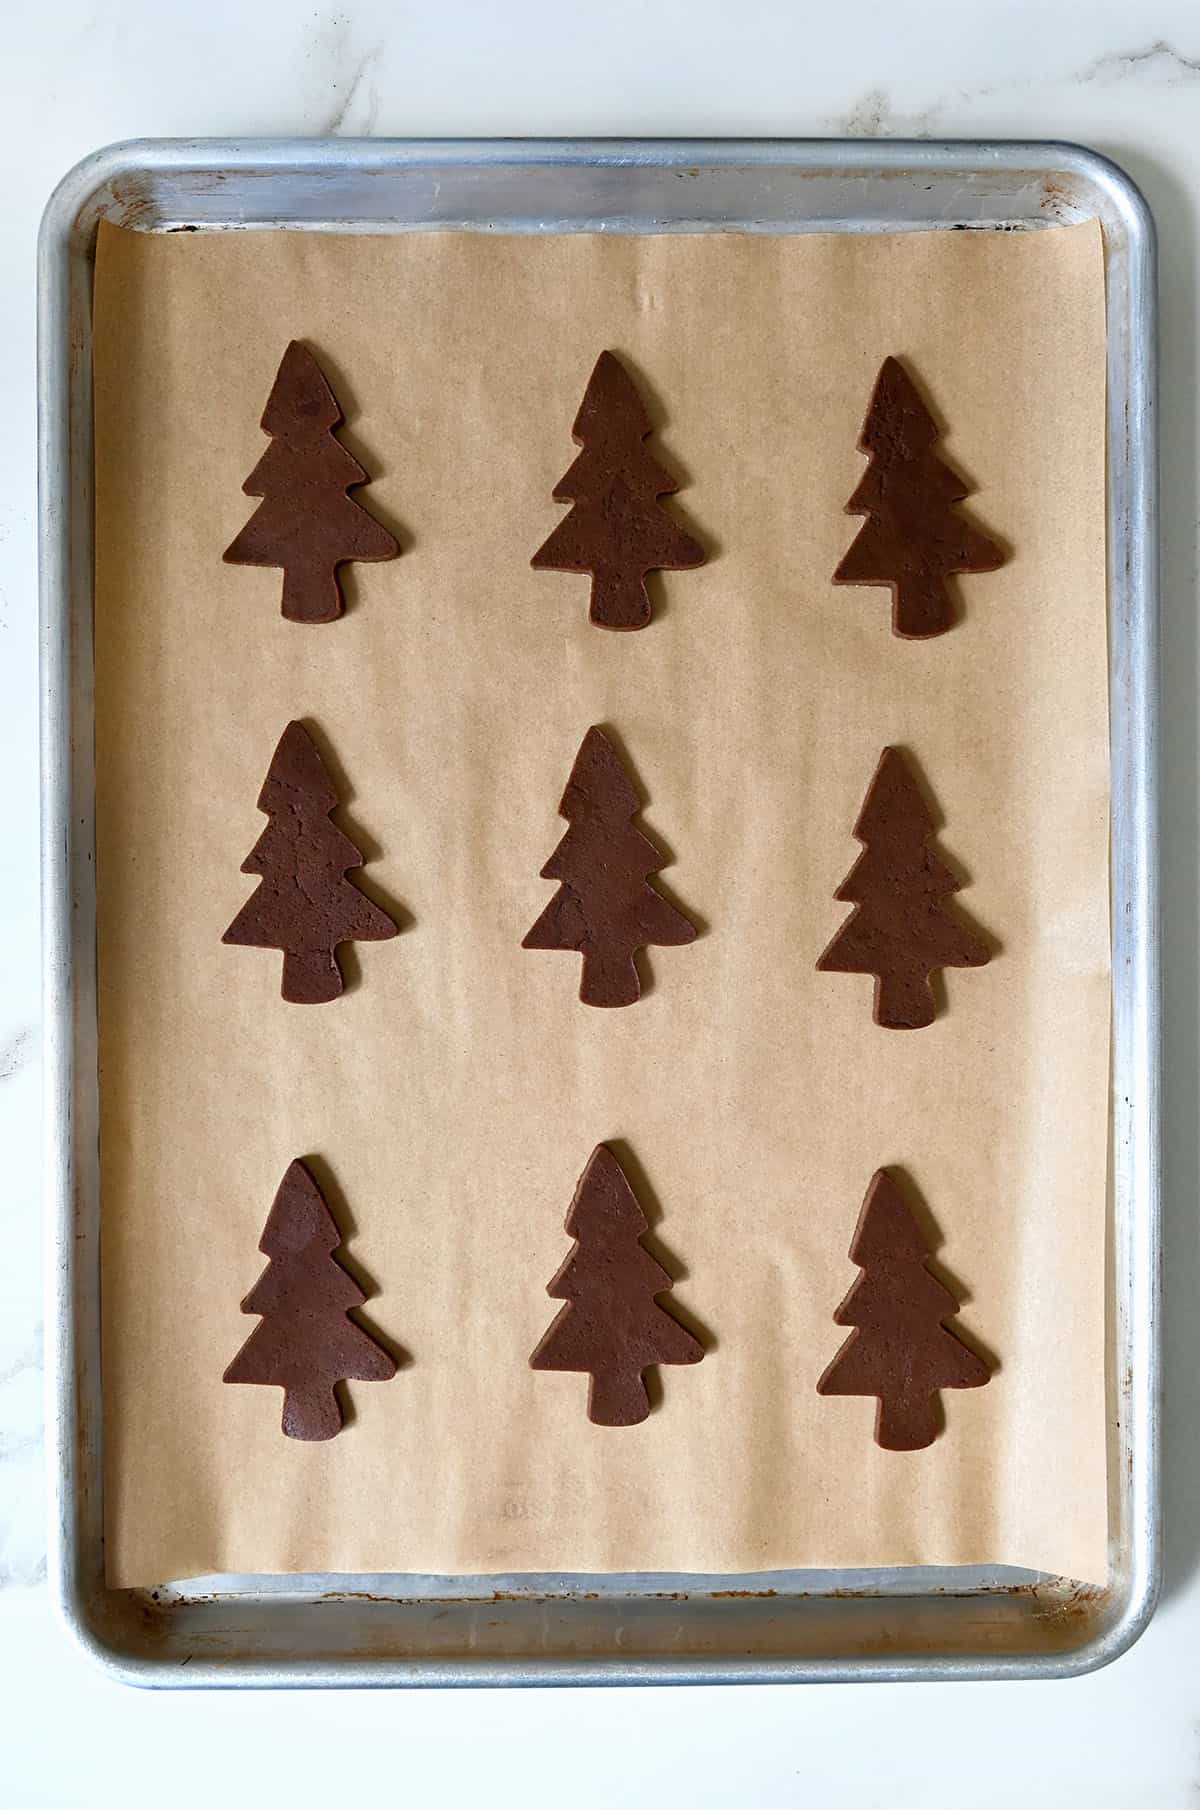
(454, 1093)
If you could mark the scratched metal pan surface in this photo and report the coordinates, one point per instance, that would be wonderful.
(786, 1626)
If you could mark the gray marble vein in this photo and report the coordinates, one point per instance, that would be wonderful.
(346, 76)
(28, 1358)
(16, 1051)
(1160, 57)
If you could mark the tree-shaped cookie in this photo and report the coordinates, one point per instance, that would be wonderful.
(618, 530)
(306, 522)
(306, 1342)
(914, 538)
(901, 1350)
(901, 929)
(611, 1325)
(304, 903)
(604, 909)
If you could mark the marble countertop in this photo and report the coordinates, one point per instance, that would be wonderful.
(77, 74)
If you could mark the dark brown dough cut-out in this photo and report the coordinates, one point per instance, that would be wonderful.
(306, 522)
(611, 1325)
(604, 908)
(306, 1342)
(304, 905)
(901, 930)
(901, 1350)
(914, 538)
(618, 530)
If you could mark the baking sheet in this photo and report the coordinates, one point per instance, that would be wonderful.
(455, 1094)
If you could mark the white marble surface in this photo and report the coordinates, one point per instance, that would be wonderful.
(75, 74)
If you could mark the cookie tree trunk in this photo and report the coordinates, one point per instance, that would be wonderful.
(914, 538)
(902, 929)
(610, 978)
(907, 1421)
(617, 1398)
(604, 908)
(311, 976)
(901, 1352)
(904, 1002)
(612, 1326)
(306, 1343)
(310, 1410)
(306, 522)
(618, 530)
(304, 903)
(619, 600)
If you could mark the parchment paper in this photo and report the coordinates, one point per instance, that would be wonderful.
(453, 1096)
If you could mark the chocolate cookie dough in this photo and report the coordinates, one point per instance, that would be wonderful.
(612, 1325)
(306, 1342)
(604, 909)
(304, 904)
(306, 523)
(901, 930)
(618, 530)
(901, 1352)
(914, 538)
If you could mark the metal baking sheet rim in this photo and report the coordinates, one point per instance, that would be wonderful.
(786, 1627)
